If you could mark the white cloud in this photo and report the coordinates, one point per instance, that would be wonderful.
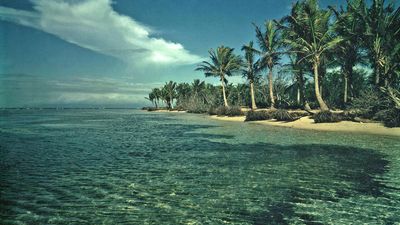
(93, 24)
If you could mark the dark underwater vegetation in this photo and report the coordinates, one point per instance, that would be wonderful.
(128, 166)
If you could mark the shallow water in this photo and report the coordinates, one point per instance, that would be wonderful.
(134, 167)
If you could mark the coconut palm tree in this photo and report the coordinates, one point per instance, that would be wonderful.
(156, 93)
(351, 27)
(269, 44)
(310, 33)
(383, 46)
(198, 90)
(251, 70)
(297, 68)
(198, 87)
(183, 92)
(151, 98)
(169, 93)
(223, 63)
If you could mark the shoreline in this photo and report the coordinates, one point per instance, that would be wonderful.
(306, 123)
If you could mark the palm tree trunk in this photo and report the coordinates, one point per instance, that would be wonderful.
(302, 94)
(346, 80)
(271, 88)
(321, 102)
(298, 95)
(156, 104)
(253, 99)
(320, 88)
(171, 102)
(307, 106)
(239, 100)
(223, 93)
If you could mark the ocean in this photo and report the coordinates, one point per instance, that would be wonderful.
(123, 166)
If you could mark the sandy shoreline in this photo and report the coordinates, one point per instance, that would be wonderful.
(307, 123)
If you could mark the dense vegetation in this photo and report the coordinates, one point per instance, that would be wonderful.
(335, 58)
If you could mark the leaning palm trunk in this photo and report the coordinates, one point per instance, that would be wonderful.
(253, 100)
(224, 94)
(271, 89)
(321, 102)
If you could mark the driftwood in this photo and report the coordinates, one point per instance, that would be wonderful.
(308, 109)
(362, 120)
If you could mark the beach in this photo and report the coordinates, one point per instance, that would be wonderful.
(308, 124)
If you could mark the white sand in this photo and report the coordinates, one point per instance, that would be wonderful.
(308, 124)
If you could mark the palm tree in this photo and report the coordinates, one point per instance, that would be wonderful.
(382, 39)
(312, 36)
(151, 98)
(156, 94)
(269, 43)
(182, 93)
(169, 93)
(223, 63)
(251, 71)
(350, 26)
(198, 90)
(297, 68)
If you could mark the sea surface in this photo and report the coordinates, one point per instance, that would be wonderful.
(134, 167)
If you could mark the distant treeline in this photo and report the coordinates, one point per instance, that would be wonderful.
(333, 58)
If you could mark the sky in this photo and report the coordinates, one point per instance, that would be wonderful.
(103, 53)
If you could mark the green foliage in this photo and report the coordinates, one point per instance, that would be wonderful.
(212, 111)
(221, 110)
(228, 111)
(151, 109)
(195, 105)
(326, 117)
(258, 115)
(318, 41)
(234, 111)
(348, 115)
(282, 115)
(223, 63)
(389, 117)
(298, 115)
(368, 103)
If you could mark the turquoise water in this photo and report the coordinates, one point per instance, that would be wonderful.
(134, 167)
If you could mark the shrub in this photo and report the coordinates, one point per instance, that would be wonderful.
(179, 108)
(368, 103)
(326, 117)
(234, 111)
(258, 115)
(348, 115)
(212, 111)
(228, 111)
(282, 115)
(196, 108)
(150, 109)
(298, 115)
(221, 110)
(389, 117)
